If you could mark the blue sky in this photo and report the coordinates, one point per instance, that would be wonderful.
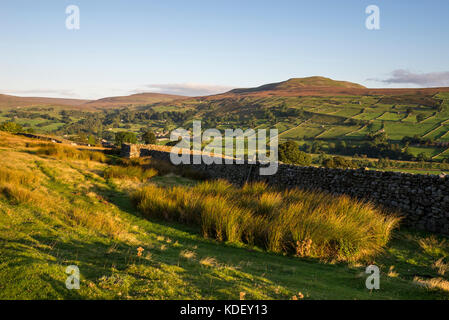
(201, 47)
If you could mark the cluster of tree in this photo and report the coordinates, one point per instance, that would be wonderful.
(91, 123)
(147, 137)
(289, 152)
(338, 162)
(377, 145)
(381, 163)
(420, 117)
(356, 122)
(30, 115)
(115, 117)
(175, 116)
(11, 126)
(125, 137)
(82, 138)
(282, 111)
(417, 140)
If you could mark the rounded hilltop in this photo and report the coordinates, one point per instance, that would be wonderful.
(301, 83)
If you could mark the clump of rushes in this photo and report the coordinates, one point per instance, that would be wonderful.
(14, 184)
(298, 222)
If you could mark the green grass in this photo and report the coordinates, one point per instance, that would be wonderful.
(368, 115)
(390, 116)
(397, 130)
(338, 132)
(80, 218)
(428, 151)
(303, 131)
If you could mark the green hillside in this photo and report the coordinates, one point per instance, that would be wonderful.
(296, 83)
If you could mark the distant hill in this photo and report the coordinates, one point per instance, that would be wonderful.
(8, 101)
(132, 100)
(295, 84)
(320, 86)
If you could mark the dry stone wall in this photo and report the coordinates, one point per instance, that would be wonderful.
(422, 200)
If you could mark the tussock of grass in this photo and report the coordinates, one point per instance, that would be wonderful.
(15, 193)
(131, 172)
(209, 262)
(187, 254)
(14, 183)
(434, 247)
(441, 266)
(17, 177)
(433, 283)
(66, 152)
(309, 224)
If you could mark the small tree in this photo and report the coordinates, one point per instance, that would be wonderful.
(337, 162)
(289, 153)
(125, 137)
(420, 117)
(91, 140)
(11, 127)
(149, 137)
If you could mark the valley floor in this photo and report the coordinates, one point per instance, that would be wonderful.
(64, 212)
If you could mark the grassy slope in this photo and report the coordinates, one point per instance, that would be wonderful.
(41, 237)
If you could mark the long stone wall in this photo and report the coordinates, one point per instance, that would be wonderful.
(422, 200)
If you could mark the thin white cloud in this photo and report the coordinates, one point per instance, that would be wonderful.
(59, 93)
(184, 89)
(430, 79)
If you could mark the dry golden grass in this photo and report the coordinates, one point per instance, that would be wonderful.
(441, 266)
(434, 247)
(433, 284)
(187, 254)
(64, 152)
(392, 273)
(15, 185)
(18, 177)
(15, 193)
(209, 262)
